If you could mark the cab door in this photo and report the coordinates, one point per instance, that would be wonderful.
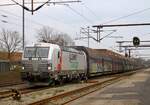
(57, 59)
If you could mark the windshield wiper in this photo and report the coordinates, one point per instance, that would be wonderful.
(38, 55)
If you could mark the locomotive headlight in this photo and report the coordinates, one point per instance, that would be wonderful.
(49, 66)
(22, 68)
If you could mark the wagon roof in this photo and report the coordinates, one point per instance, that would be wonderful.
(100, 52)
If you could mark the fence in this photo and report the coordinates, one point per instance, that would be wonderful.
(4, 65)
(15, 59)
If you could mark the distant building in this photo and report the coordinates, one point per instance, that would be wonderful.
(14, 57)
(5, 61)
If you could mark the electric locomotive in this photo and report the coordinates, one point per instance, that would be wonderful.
(46, 63)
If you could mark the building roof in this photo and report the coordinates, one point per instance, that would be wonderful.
(16, 56)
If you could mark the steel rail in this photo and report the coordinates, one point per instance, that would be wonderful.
(9, 84)
(9, 93)
(67, 97)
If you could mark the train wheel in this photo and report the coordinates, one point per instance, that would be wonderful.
(79, 78)
(61, 81)
(85, 78)
(52, 82)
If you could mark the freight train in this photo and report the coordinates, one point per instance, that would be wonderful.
(46, 63)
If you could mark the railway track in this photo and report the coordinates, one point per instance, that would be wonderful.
(67, 97)
(9, 93)
(60, 94)
(25, 90)
(9, 84)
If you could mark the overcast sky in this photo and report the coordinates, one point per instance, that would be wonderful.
(87, 13)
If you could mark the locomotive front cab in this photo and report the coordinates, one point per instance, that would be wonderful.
(37, 63)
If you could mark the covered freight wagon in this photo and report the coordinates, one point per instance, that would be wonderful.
(103, 61)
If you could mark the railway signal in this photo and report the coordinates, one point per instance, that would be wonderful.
(136, 41)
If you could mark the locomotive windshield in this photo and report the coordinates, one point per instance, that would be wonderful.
(36, 52)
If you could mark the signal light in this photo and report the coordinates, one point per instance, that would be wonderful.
(136, 41)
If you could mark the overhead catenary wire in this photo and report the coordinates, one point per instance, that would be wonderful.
(31, 10)
(58, 20)
(89, 21)
(7, 16)
(9, 22)
(119, 17)
(21, 5)
(122, 17)
(85, 18)
(29, 20)
(17, 16)
(10, 17)
(4, 19)
(113, 20)
(45, 14)
(90, 10)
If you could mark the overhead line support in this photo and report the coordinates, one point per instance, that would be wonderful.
(23, 26)
(134, 46)
(120, 25)
(99, 27)
(130, 41)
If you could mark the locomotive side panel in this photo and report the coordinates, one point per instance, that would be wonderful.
(73, 61)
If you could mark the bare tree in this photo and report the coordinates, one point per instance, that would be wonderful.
(50, 35)
(10, 41)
